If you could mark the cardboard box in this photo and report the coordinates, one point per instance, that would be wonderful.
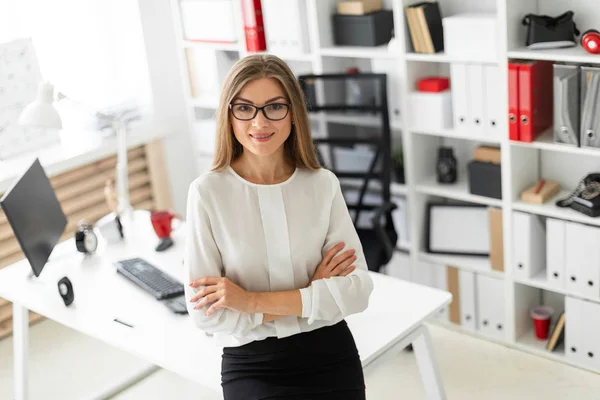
(546, 192)
(496, 241)
(453, 287)
(488, 154)
(359, 7)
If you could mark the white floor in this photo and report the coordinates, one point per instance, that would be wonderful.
(67, 365)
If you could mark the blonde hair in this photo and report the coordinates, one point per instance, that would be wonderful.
(299, 147)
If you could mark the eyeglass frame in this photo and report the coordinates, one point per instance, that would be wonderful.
(257, 109)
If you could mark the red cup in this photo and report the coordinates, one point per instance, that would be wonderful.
(162, 222)
(541, 321)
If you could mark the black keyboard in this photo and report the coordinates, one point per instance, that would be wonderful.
(151, 279)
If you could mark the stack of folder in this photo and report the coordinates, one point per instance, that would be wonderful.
(529, 99)
(576, 104)
(425, 25)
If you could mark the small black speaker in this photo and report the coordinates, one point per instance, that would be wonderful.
(65, 289)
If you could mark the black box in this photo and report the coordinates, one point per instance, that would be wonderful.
(485, 179)
(371, 29)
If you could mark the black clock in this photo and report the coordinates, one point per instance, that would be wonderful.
(446, 165)
(85, 238)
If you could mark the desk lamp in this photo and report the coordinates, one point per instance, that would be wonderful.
(41, 113)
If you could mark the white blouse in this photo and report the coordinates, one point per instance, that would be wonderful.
(269, 238)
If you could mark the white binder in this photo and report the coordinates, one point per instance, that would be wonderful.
(555, 252)
(574, 347)
(529, 243)
(467, 300)
(475, 85)
(490, 306)
(460, 105)
(590, 313)
(582, 260)
(493, 108)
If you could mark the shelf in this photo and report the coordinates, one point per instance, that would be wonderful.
(292, 56)
(549, 209)
(355, 120)
(209, 102)
(442, 57)
(456, 191)
(211, 45)
(451, 133)
(477, 264)
(545, 141)
(529, 342)
(575, 54)
(539, 281)
(358, 52)
(396, 189)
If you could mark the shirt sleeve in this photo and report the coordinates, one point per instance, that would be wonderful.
(202, 258)
(339, 296)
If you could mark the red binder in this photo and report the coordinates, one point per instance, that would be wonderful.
(254, 28)
(535, 99)
(513, 101)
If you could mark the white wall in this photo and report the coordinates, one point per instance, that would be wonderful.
(169, 103)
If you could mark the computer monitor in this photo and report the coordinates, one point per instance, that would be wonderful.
(35, 215)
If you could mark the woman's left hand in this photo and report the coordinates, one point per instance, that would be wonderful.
(222, 293)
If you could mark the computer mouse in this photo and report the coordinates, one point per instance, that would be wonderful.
(164, 244)
(65, 289)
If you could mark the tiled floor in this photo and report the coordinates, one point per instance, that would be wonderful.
(67, 365)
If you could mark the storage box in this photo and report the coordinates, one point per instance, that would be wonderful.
(488, 154)
(485, 179)
(372, 29)
(471, 37)
(359, 7)
(547, 191)
(496, 240)
(430, 110)
(208, 21)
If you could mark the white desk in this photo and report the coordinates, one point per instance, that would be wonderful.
(394, 318)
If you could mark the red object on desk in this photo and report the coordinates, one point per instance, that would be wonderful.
(433, 84)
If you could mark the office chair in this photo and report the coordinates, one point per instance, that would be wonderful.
(379, 239)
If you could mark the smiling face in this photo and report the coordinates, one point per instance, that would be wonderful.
(260, 135)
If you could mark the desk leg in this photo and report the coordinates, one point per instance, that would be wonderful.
(430, 374)
(20, 351)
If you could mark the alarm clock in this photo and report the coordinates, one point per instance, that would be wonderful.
(85, 238)
(446, 165)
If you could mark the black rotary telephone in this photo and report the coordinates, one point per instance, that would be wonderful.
(586, 196)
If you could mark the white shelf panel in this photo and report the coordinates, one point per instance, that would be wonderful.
(399, 189)
(529, 342)
(362, 119)
(358, 52)
(572, 54)
(456, 191)
(208, 102)
(539, 281)
(477, 264)
(549, 209)
(451, 133)
(442, 57)
(545, 141)
(292, 56)
(211, 45)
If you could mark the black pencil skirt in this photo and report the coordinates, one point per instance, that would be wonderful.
(321, 364)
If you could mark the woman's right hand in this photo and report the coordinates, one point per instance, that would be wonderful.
(335, 265)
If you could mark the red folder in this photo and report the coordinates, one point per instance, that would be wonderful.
(535, 99)
(254, 28)
(513, 101)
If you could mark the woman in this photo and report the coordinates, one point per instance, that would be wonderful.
(273, 258)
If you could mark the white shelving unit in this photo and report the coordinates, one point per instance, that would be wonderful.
(522, 163)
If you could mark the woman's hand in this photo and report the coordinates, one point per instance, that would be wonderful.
(340, 265)
(222, 293)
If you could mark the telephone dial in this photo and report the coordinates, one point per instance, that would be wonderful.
(586, 196)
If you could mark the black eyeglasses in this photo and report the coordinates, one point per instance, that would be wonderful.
(247, 112)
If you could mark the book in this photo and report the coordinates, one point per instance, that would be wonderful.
(557, 334)
(428, 25)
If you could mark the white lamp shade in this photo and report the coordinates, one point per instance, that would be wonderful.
(41, 113)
